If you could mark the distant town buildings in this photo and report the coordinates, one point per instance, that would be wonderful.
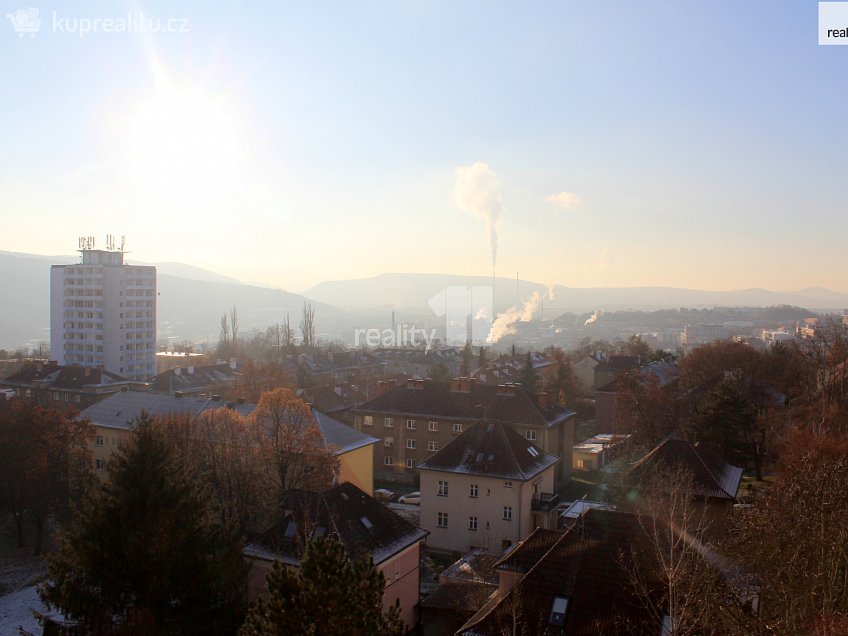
(103, 314)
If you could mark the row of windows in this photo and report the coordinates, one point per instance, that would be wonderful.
(84, 303)
(389, 422)
(411, 444)
(442, 519)
(473, 489)
(388, 460)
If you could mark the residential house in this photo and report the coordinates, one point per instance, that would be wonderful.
(597, 451)
(115, 417)
(576, 582)
(66, 386)
(608, 369)
(663, 375)
(336, 400)
(584, 371)
(366, 528)
(489, 488)
(510, 369)
(209, 378)
(715, 483)
(420, 417)
(464, 587)
(417, 363)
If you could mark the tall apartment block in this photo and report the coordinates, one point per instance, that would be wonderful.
(103, 314)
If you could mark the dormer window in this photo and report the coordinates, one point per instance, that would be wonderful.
(558, 609)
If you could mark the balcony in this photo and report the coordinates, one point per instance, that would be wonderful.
(544, 501)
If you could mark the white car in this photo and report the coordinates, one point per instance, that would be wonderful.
(411, 498)
(382, 494)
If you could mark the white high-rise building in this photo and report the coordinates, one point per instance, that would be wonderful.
(103, 314)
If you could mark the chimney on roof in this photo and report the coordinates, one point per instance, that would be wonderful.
(87, 371)
(216, 397)
(233, 364)
(384, 386)
(506, 390)
(545, 400)
(39, 367)
(178, 394)
(177, 371)
(239, 400)
(190, 369)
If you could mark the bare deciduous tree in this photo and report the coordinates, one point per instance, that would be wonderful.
(307, 325)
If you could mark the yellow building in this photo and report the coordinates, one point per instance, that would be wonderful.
(114, 419)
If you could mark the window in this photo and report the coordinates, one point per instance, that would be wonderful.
(388, 460)
(472, 523)
(472, 490)
(99, 441)
(560, 605)
(368, 420)
(99, 464)
(507, 513)
(507, 484)
(530, 435)
(410, 462)
(432, 426)
(443, 489)
(388, 422)
(389, 441)
(442, 520)
(457, 428)
(410, 443)
(410, 424)
(432, 446)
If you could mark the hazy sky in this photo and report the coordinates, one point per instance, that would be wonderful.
(696, 144)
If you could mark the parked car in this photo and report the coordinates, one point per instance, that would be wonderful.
(411, 498)
(382, 494)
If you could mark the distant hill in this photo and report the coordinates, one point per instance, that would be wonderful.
(190, 303)
(410, 292)
(191, 300)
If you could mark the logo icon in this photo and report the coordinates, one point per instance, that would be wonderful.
(25, 21)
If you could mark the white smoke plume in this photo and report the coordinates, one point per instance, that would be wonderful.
(505, 324)
(594, 317)
(478, 191)
(551, 291)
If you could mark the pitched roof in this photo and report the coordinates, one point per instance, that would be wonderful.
(340, 436)
(332, 397)
(619, 363)
(193, 378)
(121, 410)
(463, 598)
(64, 376)
(526, 553)
(512, 405)
(478, 565)
(584, 565)
(491, 449)
(712, 476)
(364, 526)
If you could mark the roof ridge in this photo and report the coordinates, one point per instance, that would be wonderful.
(718, 482)
(512, 452)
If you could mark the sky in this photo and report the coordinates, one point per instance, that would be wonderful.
(596, 143)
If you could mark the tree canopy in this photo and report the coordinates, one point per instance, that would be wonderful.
(142, 554)
(328, 594)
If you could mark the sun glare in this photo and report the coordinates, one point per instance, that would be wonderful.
(183, 142)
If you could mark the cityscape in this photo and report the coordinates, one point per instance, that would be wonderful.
(468, 319)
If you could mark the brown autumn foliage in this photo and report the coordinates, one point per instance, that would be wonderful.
(44, 463)
(794, 539)
(301, 459)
